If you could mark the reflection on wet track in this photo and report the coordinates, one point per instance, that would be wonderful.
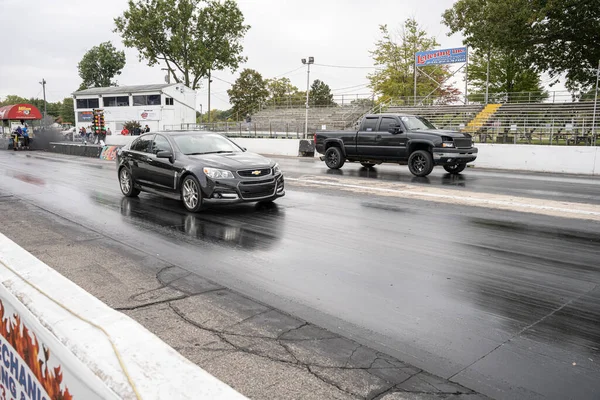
(506, 303)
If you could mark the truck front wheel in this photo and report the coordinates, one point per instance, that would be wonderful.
(455, 168)
(334, 158)
(420, 163)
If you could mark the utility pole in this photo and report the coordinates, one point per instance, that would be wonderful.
(311, 60)
(43, 83)
(209, 81)
(595, 104)
(487, 78)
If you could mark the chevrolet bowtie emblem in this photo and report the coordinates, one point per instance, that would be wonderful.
(257, 172)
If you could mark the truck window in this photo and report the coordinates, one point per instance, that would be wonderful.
(370, 124)
(386, 123)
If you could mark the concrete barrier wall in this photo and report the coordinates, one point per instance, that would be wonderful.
(557, 159)
(69, 329)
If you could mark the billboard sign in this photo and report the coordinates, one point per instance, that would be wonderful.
(444, 56)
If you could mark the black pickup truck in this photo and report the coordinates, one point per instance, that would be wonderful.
(400, 139)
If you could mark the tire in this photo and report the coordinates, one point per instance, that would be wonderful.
(126, 183)
(334, 158)
(455, 168)
(420, 163)
(191, 194)
(367, 164)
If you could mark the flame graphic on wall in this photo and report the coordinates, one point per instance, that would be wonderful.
(27, 346)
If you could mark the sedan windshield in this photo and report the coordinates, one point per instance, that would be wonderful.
(415, 123)
(205, 144)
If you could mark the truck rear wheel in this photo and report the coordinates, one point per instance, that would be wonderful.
(334, 158)
(455, 168)
(420, 163)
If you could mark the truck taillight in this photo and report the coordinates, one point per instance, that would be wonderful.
(315, 139)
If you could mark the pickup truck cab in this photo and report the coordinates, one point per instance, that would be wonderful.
(400, 139)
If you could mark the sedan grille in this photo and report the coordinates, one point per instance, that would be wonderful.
(255, 173)
(257, 189)
(463, 143)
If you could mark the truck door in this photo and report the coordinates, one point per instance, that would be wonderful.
(366, 138)
(390, 146)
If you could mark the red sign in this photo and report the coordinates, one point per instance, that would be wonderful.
(20, 111)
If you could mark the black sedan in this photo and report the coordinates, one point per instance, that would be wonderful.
(199, 168)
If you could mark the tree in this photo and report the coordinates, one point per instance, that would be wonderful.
(13, 99)
(66, 111)
(191, 40)
(565, 37)
(248, 93)
(554, 36)
(281, 90)
(509, 74)
(320, 94)
(100, 65)
(395, 78)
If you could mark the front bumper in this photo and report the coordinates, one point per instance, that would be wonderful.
(443, 156)
(239, 191)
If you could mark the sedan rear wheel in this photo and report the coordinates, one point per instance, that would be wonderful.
(126, 183)
(191, 194)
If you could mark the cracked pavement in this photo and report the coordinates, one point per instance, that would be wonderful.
(258, 350)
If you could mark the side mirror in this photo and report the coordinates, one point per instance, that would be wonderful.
(244, 149)
(395, 129)
(164, 154)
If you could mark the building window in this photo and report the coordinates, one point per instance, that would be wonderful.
(119, 101)
(147, 100)
(168, 101)
(88, 103)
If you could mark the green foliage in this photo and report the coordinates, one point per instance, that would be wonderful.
(131, 126)
(281, 90)
(62, 109)
(566, 37)
(215, 116)
(395, 55)
(248, 93)
(100, 65)
(508, 74)
(320, 94)
(554, 36)
(66, 110)
(191, 40)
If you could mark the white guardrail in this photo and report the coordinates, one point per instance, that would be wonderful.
(583, 160)
(58, 341)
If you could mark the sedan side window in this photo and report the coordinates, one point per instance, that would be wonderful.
(160, 144)
(143, 144)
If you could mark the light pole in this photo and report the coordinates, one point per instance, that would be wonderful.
(43, 83)
(200, 113)
(595, 104)
(311, 60)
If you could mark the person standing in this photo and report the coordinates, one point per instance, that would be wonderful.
(125, 131)
(108, 131)
(146, 129)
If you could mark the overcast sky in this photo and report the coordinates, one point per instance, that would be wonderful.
(47, 38)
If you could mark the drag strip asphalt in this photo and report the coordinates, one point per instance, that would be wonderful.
(506, 303)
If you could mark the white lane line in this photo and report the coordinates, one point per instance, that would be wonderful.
(476, 200)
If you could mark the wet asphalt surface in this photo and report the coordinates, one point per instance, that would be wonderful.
(505, 303)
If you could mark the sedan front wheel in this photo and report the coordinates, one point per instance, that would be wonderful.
(191, 194)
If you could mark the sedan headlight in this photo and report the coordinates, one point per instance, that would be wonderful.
(215, 173)
(276, 169)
